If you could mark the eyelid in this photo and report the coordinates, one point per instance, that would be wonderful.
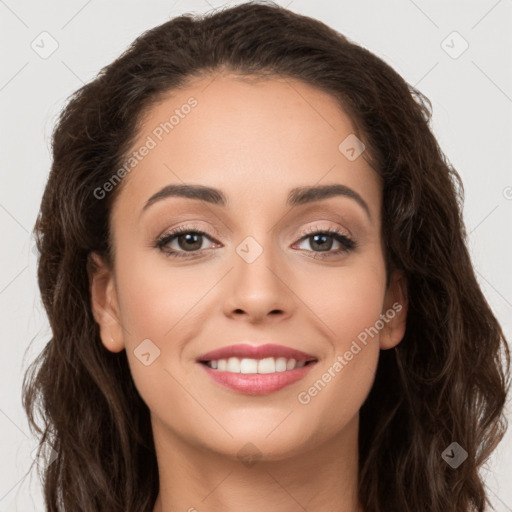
(337, 233)
(190, 226)
(316, 227)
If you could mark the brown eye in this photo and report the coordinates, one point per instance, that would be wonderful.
(190, 241)
(183, 240)
(321, 241)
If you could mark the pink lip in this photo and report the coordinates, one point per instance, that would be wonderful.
(257, 383)
(242, 350)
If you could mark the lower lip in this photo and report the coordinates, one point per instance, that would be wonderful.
(258, 383)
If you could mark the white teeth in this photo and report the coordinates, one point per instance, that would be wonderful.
(267, 365)
(281, 364)
(233, 365)
(248, 366)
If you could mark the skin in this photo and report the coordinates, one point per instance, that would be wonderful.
(254, 141)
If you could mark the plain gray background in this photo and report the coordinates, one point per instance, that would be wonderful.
(470, 89)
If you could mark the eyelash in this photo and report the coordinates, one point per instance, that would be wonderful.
(348, 243)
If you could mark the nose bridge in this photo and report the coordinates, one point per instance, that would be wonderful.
(257, 245)
(258, 280)
(256, 261)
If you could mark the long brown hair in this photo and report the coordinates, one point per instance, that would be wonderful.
(446, 381)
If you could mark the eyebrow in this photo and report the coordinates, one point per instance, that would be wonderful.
(296, 196)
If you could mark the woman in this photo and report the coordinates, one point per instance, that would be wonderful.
(253, 260)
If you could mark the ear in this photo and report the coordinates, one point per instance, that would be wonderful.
(104, 303)
(394, 311)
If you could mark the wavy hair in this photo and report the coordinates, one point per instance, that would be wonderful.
(446, 381)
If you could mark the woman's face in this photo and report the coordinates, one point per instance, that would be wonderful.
(259, 276)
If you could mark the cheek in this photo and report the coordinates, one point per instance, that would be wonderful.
(349, 304)
(154, 297)
(156, 306)
(347, 299)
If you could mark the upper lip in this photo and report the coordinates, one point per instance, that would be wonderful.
(244, 350)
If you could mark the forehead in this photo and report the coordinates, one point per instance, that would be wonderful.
(254, 139)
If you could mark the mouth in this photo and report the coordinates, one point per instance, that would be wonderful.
(249, 366)
(256, 370)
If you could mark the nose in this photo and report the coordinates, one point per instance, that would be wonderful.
(260, 289)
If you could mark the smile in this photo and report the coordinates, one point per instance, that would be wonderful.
(269, 378)
(248, 366)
